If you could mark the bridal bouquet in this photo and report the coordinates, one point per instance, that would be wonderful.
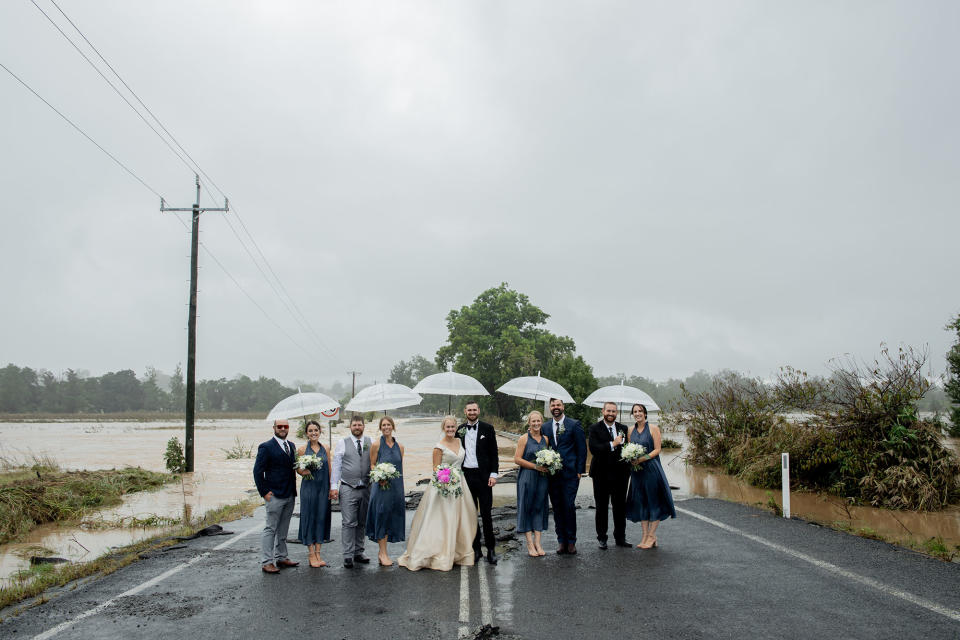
(308, 463)
(446, 480)
(550, 459)
(382, 473)
(631, 452)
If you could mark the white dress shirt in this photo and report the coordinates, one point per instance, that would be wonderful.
(285, 445)
(470, 448)
(612, 430)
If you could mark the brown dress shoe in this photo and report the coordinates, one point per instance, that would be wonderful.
(571, 549)
(288, 563)
(270, 568)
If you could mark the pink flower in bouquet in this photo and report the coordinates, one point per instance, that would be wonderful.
(443, 475)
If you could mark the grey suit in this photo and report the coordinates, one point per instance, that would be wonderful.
(354, 490)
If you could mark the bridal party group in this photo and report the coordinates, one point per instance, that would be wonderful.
(453, 522)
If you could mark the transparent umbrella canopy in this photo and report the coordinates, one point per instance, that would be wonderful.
(380, 397)
(535, 388)
(450, 384)
(302, 404)
(621, 395)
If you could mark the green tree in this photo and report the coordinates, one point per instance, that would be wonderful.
(411, 372)
(178, 390)
(498, 337)
(953, 377)
(576, 376)
(154, 398)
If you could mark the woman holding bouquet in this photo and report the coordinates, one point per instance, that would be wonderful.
(446, 522)
(386, 514)
(532, 511)
(649, 500)
(315, 495)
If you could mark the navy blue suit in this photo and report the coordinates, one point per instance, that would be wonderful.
(563, 485)
(273, 470)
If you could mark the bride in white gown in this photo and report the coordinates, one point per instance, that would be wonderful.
(444, 527)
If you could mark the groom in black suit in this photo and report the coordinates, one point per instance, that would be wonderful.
(610, 475)
(480, 467)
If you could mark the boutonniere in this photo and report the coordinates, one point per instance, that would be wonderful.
(365, 446)
(561, 430)
(462, 432)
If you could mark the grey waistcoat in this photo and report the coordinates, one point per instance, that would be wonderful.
(354, 469)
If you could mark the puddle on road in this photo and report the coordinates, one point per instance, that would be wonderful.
(215, 483)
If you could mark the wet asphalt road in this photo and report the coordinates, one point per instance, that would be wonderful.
(732, 572)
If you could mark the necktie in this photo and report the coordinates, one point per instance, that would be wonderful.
(359, 449)
(612, 434)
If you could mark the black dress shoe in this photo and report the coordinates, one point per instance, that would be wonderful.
(348, 563)
(477, 554)
(603, 545)
(562, 550)
(491, 556)
(362, 559)
(623, 543)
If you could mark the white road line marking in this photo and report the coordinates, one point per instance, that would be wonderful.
(485, 609)
(464, 630)
(832, 568)
(63, 626)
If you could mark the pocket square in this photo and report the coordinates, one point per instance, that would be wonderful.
(482, 437)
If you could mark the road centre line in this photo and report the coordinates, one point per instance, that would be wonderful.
(63, 626)
(486, 616)
(832, 568)
(464, 619)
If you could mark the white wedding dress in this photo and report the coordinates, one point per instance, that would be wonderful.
(443, 528)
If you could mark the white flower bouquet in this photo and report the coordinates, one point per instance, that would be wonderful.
(308, 463)
(631, 452)
(447, 481)
(550, 459)
(382, 473)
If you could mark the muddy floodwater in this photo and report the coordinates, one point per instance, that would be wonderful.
(218, 481)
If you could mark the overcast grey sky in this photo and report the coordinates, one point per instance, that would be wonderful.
(680, 185)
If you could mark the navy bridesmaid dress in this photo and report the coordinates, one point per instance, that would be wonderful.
(649, 497)
(532, 509)
(386, 515)
(315, 502)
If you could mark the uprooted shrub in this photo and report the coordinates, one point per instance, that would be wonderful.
(857, 434)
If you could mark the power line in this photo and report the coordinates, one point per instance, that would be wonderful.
(297, 314)
(82, 132)
(107, 80)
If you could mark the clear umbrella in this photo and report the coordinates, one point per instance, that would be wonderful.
(302, 404)
(381, 397)
(536, 388)
(621, 395)
(450, 384)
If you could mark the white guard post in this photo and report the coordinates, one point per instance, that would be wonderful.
(785, 473)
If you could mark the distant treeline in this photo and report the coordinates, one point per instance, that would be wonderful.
(25, 390)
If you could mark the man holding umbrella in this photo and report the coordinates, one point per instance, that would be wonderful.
(571, 444)
(610, 475)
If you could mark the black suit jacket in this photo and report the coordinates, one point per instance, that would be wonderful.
(273, 470)
(488, 457)
(607, 462)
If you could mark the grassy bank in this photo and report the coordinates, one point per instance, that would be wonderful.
(43, 494)
(126, 416)
(40, 578)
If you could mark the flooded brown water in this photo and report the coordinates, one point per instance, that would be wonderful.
(215, 483)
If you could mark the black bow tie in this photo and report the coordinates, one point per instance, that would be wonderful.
(471, 427)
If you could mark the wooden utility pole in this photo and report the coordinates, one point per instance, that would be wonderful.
(353, 388)
(192, 322)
